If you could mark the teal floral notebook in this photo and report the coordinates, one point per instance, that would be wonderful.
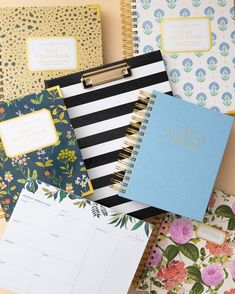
(192, 257)
(38, 142)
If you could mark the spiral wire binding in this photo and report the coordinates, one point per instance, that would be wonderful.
(133, 140)
(1, 75)
(129, 28)
(155, 237)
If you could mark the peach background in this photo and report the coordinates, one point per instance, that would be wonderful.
(113, 51)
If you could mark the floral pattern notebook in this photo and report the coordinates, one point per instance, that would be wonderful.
(192, 257)
(38, 142)
(198, 73)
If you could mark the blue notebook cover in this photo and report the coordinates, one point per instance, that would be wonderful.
(179, 156)
(38, 143)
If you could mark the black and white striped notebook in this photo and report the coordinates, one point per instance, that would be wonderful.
(100, 116)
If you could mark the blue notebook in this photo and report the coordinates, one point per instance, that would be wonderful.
(176, 149)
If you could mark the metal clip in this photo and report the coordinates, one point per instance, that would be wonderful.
(106, 75)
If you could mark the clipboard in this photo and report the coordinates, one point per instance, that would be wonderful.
(100, 103)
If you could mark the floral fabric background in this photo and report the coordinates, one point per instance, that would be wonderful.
(204, 78)
(60, 165)
(181, 262)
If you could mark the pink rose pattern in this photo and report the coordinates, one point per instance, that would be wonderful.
(212, 275)
(181, 230)
(181, 261)
(232, 268)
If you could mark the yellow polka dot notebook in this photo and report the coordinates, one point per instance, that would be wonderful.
(38, 43)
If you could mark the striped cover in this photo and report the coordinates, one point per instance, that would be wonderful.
(100, 116)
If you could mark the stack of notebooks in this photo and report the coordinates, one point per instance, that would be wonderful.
(86, 161)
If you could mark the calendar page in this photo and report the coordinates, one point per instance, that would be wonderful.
(55, 243)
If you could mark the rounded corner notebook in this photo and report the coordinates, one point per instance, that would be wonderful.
(176, 150)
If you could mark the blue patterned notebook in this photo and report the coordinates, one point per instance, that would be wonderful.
(176, 149)
(197, 41)
(38, 142)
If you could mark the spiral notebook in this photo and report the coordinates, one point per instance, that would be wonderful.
(176, 148)
(38, 43)
(100, 108)
(198, 258)
(197, 42)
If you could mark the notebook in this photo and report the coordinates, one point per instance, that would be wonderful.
(197, 42)
(38, 142)
(64, 245)
(100, 115)
(38, 43)
(200, 258)
(176, 151)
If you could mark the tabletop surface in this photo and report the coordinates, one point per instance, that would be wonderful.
(112, 45)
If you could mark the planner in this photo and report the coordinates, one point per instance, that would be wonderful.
(194, 257)
(100, 103)
(38, 142)
(38, 43)
(197, 43)
(176, 149)
(55, 243)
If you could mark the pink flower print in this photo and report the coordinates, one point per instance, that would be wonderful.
(225, 248)
(233, 207)
(174, 274)
(232, 268)
(181, 230)
(155, 257)
(212, 201)
(212, 275)
(231, 291)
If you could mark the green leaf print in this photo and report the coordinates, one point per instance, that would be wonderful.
(62, 195)
(171, 252)
(137, 225)
(35, 175)
(197, 288)
(231, 224)
(189, 250)
(224, 211)
(31, 185)
(21, 181)
(194, 273)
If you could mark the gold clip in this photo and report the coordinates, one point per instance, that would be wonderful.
(106, 75)
(232, 112)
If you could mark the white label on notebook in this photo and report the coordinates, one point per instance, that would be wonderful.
(186, 34)
(28, 133)
(48, 54)
(211, 234)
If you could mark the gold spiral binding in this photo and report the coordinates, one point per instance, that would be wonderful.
(154, 239)
(1, 75)
(134, 138)
(129, 28)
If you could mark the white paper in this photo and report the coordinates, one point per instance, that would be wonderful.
(59, 247)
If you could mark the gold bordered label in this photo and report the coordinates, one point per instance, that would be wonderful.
(28, 133)
(211, 234)
(52, 54)
(186, 34)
